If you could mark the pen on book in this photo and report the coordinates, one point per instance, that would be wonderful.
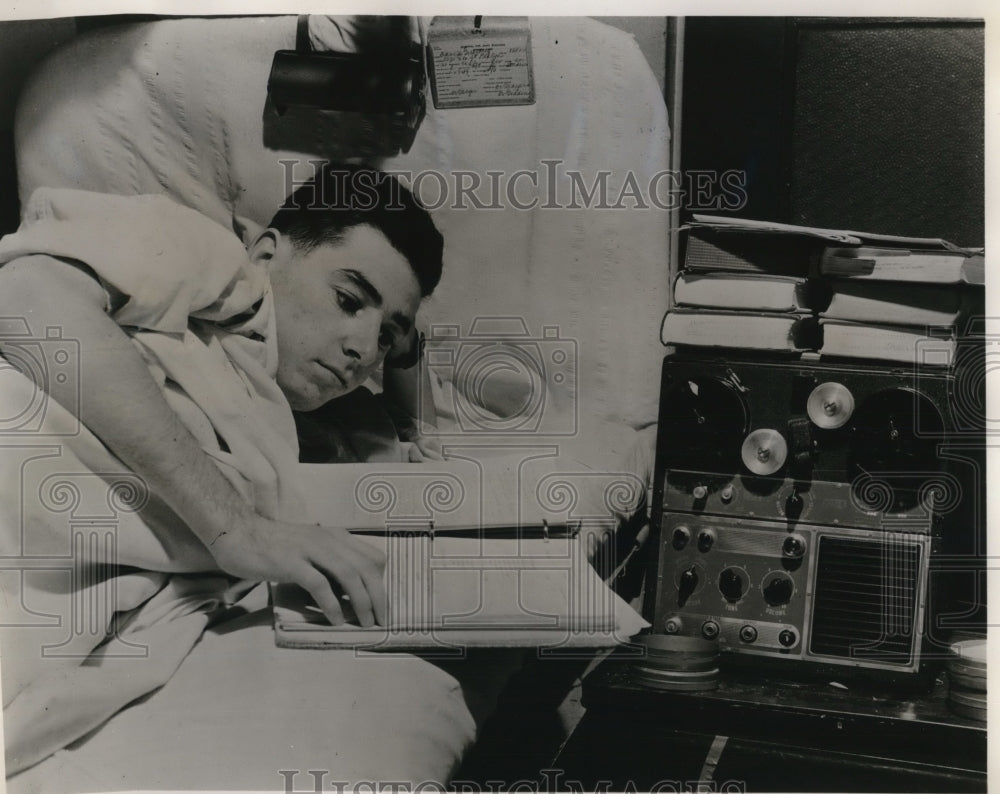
(545, 531)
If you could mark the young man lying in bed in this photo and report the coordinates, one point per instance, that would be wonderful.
(195, 350)
(318, 302)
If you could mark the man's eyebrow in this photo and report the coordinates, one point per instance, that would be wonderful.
(364, 284)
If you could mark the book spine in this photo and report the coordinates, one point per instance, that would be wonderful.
(705, 250)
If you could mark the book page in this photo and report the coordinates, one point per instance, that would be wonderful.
(542, 590)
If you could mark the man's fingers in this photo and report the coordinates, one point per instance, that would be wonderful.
(375, 586)
(358, 577)
(360, 600)
(319, 588)
(355, 589)
(432, 450)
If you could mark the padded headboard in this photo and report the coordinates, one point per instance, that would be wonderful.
(175, 106)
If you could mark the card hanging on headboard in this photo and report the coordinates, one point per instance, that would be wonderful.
(480, 61)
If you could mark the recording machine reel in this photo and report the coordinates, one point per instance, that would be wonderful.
(773, 439)
(830, 405)
(706, 423)
(894, 443)
(764, 451)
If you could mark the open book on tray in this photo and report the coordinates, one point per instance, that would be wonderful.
(478, 553)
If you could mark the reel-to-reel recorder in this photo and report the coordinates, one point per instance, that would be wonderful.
(800, 508)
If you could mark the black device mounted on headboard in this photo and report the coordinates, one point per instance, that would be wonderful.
(384, 82)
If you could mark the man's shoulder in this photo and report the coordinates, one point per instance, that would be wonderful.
(170, 260)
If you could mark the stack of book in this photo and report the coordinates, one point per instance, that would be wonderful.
(896, 304)
(752, 285)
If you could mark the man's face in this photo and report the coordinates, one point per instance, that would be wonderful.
(339, 309)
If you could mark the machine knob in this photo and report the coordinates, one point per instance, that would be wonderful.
(700, 492)
(681, 537)
(673, 625)
(727, 494)
(793, 506)
(748, 634)
(709, 629)
(793, 547)
(705, 540)
(778, 591)
(733, 584)
(787, 638)
(688, 583)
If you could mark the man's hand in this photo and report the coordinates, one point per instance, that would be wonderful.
(424, 447)
(312, 556)
(411, 402)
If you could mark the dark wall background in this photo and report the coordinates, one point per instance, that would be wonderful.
(875, 125)
(22, 45)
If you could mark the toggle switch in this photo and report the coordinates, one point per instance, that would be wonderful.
(688, 584)
(706, 539)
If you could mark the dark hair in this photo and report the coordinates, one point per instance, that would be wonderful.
(342, 196)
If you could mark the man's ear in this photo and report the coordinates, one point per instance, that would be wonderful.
(246, 229)
(264, 246)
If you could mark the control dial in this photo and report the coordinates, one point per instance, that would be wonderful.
(778, 589)
(793, 504)
(733, 584)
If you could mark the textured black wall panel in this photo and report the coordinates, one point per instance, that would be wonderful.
(888, 129)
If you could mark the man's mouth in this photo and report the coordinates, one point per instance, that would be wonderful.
(336, 373)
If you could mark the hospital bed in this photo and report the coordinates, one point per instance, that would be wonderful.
(174, 106)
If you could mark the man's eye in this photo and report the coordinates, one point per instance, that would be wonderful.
(348, 302)
(386, 339)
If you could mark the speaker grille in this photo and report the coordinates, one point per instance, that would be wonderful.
(866, 599)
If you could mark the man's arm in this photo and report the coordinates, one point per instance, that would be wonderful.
(123, 406)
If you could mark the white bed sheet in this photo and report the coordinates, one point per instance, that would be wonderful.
(239, 711)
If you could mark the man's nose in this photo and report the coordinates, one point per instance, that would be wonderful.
(361, 341)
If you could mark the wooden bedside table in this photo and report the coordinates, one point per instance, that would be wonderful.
(764, 734)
